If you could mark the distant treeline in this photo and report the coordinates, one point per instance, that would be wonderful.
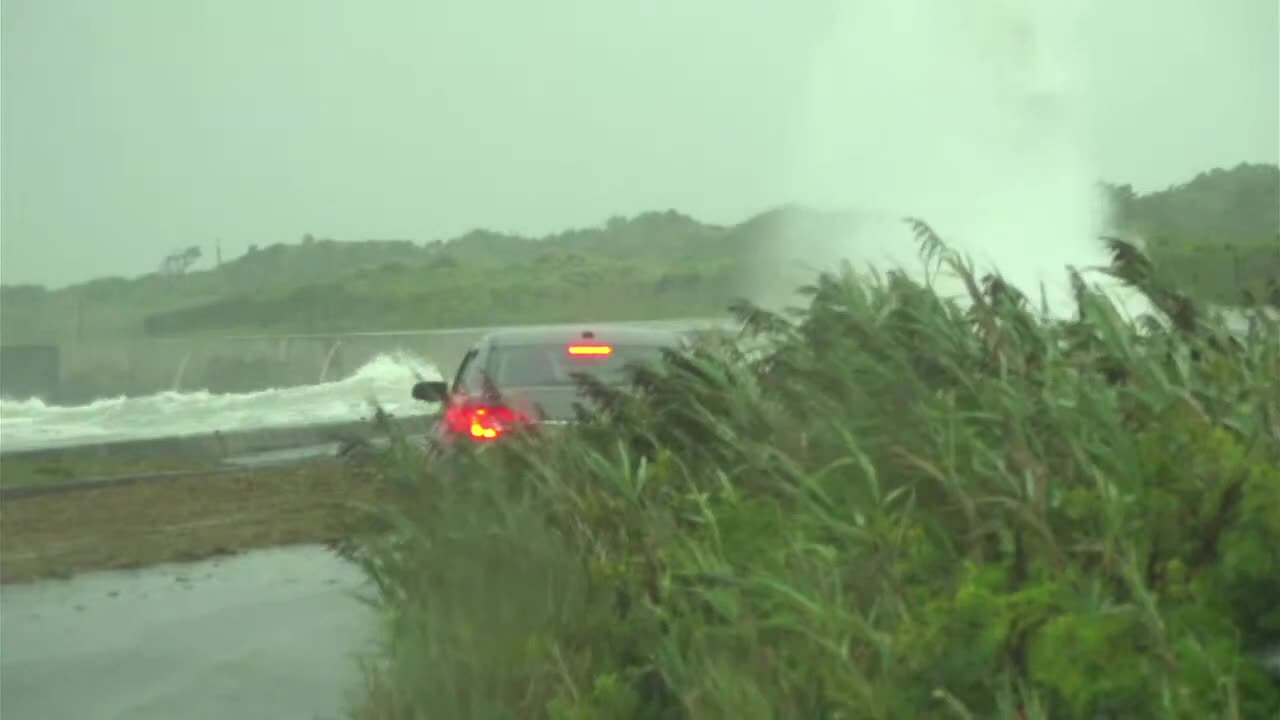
(1217, 237)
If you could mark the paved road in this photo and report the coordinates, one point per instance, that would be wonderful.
(272, 634)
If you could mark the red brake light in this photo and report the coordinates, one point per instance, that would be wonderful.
(481, 422)
(590, 349)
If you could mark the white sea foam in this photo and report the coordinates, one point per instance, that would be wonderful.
(385, 380)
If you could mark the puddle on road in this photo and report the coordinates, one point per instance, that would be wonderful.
(267, 634)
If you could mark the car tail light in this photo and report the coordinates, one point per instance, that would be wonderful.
(481, 422)
(591, 350)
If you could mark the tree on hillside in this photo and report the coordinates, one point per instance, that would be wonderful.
(179, 262)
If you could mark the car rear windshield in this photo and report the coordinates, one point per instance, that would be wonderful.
(551, 365)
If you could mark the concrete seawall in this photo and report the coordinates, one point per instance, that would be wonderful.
(29, 370)
(220, 446)
(237, 364)
(76, 373)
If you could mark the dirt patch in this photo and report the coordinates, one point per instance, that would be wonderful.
(183, 519)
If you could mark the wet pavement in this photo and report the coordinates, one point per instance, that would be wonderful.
(288, 456)
(269, 634)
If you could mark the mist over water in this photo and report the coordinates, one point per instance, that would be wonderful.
(971, 115)
(385, 380)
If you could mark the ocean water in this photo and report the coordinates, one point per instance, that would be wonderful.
(385, 380)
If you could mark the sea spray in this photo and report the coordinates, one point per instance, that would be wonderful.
(968, 114)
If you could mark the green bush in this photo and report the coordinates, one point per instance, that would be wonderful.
(886, 506)
(1226, 274)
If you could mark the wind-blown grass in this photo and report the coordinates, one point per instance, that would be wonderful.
(893, 506)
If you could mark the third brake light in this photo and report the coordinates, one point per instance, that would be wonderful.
(590, 349)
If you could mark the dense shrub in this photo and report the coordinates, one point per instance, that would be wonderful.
(887, 506)
(1227, 274)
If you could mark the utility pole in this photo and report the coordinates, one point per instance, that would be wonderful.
(79, 317)
(1237, 275)
(218, 251)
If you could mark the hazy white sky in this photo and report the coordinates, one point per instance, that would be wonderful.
(132, 128)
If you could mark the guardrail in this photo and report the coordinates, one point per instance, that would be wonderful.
(691, 322)
(80, 372)
(233, 451)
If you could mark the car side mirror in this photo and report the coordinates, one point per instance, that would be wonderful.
(431, 391)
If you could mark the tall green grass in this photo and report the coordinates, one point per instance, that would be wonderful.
(885, 505)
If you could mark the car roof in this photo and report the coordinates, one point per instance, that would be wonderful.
(563, 335)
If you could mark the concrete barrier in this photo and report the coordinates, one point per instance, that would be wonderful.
(218, 446)
(29, 371)
(92, 370)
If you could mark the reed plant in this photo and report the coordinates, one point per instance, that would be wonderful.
(885, 504)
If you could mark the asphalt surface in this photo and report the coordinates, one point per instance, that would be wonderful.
(272, 634)
(287, 456)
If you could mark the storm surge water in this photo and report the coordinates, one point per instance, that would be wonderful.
(972, 115)
(385, 380)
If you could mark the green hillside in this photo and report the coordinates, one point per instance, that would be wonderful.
(1215, 235)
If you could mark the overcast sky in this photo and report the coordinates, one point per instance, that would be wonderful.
(132, 128)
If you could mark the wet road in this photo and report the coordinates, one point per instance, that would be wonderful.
(270, 634)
